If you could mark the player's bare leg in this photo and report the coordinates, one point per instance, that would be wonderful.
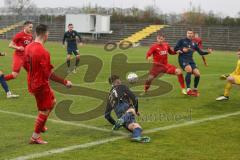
(134, 127)
(179, 74)
(149, 82)
(196, 73)
(125, 117)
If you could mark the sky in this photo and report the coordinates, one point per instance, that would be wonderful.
(226, 7)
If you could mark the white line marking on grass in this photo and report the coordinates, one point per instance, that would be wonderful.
(63, 122)
(70, 148)
(192, 122)
(95, 143)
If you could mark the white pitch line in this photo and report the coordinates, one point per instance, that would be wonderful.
(192, 122)
(61, 150)
(95, 143)
(64, 122)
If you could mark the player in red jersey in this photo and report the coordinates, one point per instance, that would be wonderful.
(39, 69)
(19, 42)
(160, 51)
(198, 41)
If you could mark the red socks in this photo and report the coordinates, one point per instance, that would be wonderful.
(8, 77)
(147, 85)
(181, 80)
(40, 123)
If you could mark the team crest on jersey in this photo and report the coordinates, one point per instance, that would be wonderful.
(27, 42)
(163, 52)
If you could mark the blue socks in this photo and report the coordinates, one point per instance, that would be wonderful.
(196, 82)
(4, 84)
(188, 79)
(136, 132)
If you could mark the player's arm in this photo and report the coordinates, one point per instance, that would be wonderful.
(179, 48)
(64, 39)
(133, 98)
(47, 70)
(201, 52)
(200, 45)
(107, 114)
(171, 50)
(13, 45)
(150, 53)
(79, 37)
(60, 80)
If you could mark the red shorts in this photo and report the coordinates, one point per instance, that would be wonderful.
(163, 68)
(45, 98)
(18, 61)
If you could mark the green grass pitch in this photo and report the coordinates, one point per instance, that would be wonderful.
(210, 140)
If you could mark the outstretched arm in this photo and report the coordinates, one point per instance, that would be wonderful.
(171, 51)
(150, 52)
(64, 38)
(201, 52)
(80, 38)
(108, 114)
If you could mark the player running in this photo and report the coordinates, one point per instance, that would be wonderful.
(233, 78)
(119, 100)
(198, 41)
(4, 83)
(19, 42)
(159, 51)
(39, 71)
(71, 37)
(186, 47)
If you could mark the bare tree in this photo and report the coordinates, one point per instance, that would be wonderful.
(19, 6)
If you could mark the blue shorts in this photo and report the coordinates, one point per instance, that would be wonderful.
(121, 111)
(183, 63)
(72, 50)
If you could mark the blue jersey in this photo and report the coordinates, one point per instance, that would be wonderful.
(70, 37)
(188, 43)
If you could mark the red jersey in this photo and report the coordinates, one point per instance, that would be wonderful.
(39, 67)
(160, 53)
(22, 39)
(198, 41)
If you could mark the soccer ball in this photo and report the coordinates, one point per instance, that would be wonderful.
(132, 77)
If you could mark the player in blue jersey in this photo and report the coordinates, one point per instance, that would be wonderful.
(4, 83)
(186, 47)
(125, 105)
(72, 36)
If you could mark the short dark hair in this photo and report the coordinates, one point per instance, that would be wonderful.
(113, 78)
(41, 29)
(70, 24)
(190, 29)
(160, 34)
(27, 23)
